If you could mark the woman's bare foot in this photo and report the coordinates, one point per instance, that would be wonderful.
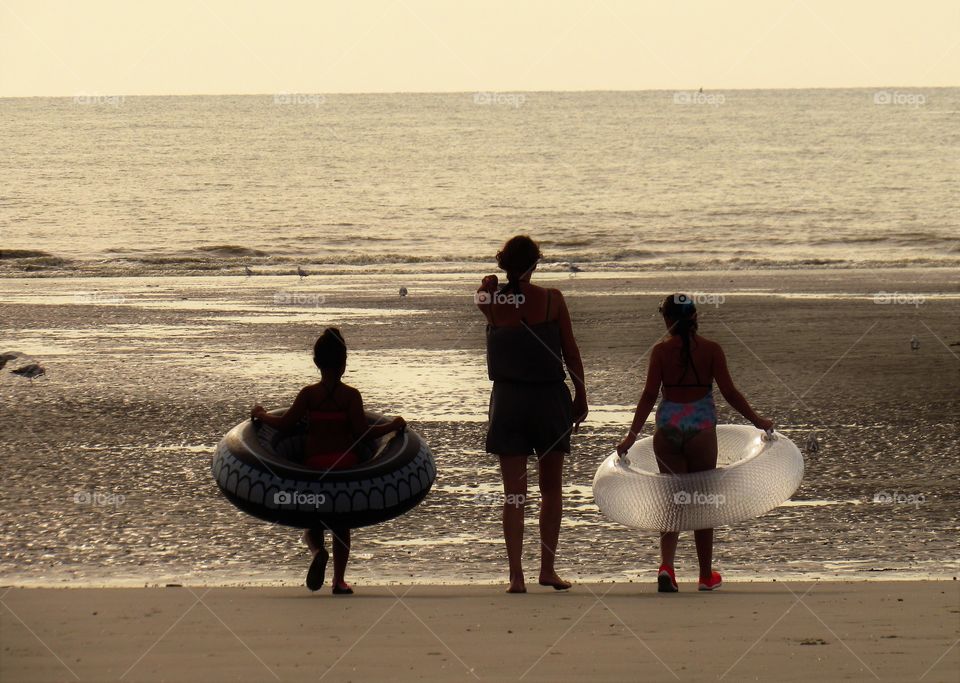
(517, 584)
(554, 582)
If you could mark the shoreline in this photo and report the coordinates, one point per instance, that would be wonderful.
(729, 578)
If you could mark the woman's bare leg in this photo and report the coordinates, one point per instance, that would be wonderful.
(550, 478)
(701, 452)
(671, 461)
(513, 470)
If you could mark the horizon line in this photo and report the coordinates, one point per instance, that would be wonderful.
(471, 92)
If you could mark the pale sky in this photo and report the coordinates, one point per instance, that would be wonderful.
(158, 47)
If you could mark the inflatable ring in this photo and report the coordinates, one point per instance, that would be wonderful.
(256, 468)
(754, 475)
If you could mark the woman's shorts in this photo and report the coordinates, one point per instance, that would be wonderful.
(528, 419)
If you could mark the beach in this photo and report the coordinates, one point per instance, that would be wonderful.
(107, 481)
(785, 631)
(171, 280)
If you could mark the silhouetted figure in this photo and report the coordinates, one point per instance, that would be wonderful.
(301, 272)
(529, 340)
(683, 367)
(336, 425)
(246, 269)
(403, 291)
(914, 343)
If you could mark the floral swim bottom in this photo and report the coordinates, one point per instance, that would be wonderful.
(680, 422)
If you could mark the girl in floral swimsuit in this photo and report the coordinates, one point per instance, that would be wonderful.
(685, 365)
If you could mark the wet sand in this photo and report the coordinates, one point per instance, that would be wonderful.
(106, 458)
(902, 631)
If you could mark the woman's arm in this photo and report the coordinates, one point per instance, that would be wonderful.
(484, 296)
(647, 399)
(730, 392)
(571, 356)
(289, 419)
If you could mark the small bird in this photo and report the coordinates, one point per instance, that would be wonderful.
(403, 291)
(30, 371)
(301, 272)
(914, 343)
(813, 446)
(574, 269)
(4, 357)
(246, 269)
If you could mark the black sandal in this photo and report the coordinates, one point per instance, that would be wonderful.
(318, 567)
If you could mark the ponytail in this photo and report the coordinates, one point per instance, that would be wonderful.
(680, 311)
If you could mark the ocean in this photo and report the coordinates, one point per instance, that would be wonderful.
(656, 180)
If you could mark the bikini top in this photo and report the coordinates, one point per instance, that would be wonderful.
(328, 415)
(525, 354)
(695, 374)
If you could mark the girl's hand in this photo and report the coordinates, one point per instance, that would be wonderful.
(257, 412)
(625, 445)
(398, 424)
(763, 423)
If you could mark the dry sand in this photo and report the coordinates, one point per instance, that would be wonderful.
(894, 631)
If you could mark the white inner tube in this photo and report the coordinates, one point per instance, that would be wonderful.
(754, 475)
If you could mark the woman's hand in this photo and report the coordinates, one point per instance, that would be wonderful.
(625, 445)
(489, 284)
(580, 411)
(763, 423)
(257, 412)
(398, 424)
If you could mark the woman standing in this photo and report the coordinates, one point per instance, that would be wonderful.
(529, 339)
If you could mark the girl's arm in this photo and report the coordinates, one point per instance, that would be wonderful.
(359, 426)
(730, 392)
(571, 356)
(289, 419)
(647, 399)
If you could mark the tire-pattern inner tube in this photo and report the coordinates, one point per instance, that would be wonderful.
(257, 469)
(754, 475)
